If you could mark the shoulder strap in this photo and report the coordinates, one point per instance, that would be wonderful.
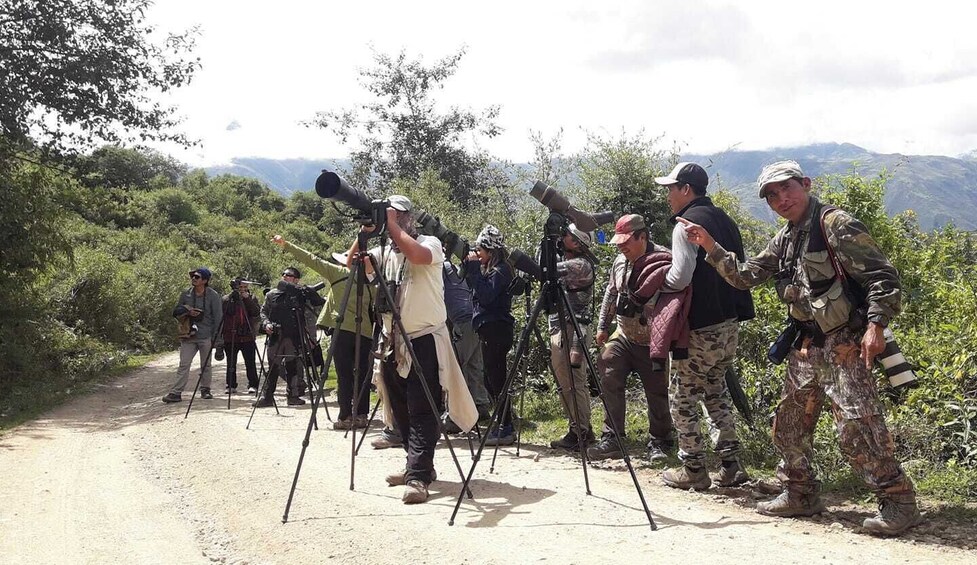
(839, 270)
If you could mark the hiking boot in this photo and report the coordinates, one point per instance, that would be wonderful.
(451, 427)
(503, 435)
(656, 452)
(730, 474)
(606, 448)
(415, 492)
(686, 477)
(343, 424)
(894, 516)
(172, 397)
(790, 504)
(572, 442)
(400, 479)
(388, 438)
(263, 402)
(361, 422)
(295, 401)
(205, 394)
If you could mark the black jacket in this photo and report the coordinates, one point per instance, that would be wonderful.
(713, 299)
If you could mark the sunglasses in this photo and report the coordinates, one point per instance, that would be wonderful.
(195, 276)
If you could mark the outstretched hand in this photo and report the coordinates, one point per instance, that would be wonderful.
(278, 240)
(697, 234)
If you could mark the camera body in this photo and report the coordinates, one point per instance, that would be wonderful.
(383, 304)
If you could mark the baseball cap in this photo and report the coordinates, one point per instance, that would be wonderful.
(398, 202)
(686, 173)
(778, 172)
(626, 226)
(204, 273)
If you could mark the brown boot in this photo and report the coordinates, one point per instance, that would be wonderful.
(897, 513)
(730, 474)
(415, 492)
(790, 504)
(685, 478)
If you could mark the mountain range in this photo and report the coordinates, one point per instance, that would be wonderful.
(939, 189)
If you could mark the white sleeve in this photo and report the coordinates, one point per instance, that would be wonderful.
(683, 260)
(434, 244)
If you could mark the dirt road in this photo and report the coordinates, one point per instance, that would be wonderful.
(118, 477)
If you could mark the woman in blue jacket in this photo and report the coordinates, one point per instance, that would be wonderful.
(490, 276)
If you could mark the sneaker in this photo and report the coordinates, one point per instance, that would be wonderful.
(233, 390)
(361, 422)
(730, 474)
(503, 435)
(295, 401)
(205, 394)
(252, 390)
(415, 492)
(263, 402)
(790, 504)
(399, 479)
(343, 424)
(685, 478)
(656, 452)
(606, 448)
(894, 517)
(388, 438)
(172, 397)
(227, 390)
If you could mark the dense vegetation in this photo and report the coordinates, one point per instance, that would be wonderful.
(97, 246)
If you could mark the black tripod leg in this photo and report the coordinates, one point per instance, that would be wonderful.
(204, 366)
(372, 415)
(497, 414)
(617, 433)
(318, 397)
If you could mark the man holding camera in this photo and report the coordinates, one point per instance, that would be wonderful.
(627, 350)
(241, 320)
(286, 330)
(199, 311)
(841, 293)
(412, 269)
(577, 274)
(714, 316)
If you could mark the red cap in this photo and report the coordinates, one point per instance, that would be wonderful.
(626, 226)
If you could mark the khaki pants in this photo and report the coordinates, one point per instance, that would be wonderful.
(576, 400)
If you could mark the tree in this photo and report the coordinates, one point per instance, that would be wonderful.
(75, 72)
(403, 133)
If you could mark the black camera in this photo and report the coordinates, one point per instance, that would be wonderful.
(334, 187)
(301, 293)
(627, 307)
(452, 242)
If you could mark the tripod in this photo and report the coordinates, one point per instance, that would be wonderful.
(204, 366)
(553, 296)
(262, 375)
(358, 275)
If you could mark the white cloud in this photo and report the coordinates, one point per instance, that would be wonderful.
(895, 77)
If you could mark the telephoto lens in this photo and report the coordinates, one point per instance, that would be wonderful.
(897, 369)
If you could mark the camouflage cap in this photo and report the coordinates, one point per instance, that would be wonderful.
(777, 172)
(626, 226)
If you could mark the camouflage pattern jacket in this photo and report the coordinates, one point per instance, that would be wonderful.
(579, 282)
(790, 251)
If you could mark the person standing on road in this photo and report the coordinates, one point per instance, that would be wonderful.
(716, 310)
(199, 311)
(627, 350)
(841, 293)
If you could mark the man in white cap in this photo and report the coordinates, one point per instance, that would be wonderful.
(412, 269)
(841, 292)
(714, 316)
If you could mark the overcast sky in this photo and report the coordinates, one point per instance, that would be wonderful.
(708, 75)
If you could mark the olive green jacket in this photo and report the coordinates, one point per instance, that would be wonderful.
(336, 277)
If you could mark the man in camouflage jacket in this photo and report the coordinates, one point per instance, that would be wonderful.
(836, 346)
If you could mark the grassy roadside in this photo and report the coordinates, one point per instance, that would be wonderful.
(29, 399)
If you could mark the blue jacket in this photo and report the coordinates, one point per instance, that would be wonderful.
(492, 299)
